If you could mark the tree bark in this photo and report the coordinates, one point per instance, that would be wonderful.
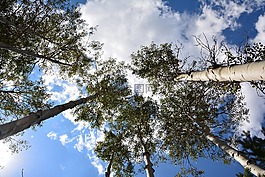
(19, 125)
(239, 157)
(253, 71)
(107, 173)
(148, 164)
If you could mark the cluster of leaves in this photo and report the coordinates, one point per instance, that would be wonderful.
(188, 109)
(158, 63)
(116, 153)
(22, 97)
(109, 84)
(44, 33)
(253, 147)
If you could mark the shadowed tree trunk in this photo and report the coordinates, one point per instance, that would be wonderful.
(148, 164)
(19, 125)
(246, 72)
(108, 171)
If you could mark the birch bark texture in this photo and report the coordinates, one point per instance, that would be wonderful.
(13, 127)
(253, 71)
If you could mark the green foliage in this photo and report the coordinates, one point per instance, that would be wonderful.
(45, 33)
(247, 173)
(115, 151)
(22, 97)
(253, 147)
(109, 83)
(131, 134)
(188, 109)
(158, 63)
(185, 112)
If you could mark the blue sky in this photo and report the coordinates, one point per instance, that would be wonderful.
(64, 148)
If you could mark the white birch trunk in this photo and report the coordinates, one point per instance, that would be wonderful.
(19, 125)
(239, 157)
(148, 165)
(246, 72)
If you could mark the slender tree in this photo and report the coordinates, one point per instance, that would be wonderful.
(114, 150)
(194, 123)
(108, 91)
(161, 64)
(244, 72)
(137, 121)
(13, 127)
(132, 131)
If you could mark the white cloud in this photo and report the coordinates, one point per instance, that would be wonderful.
(52, 135)
(80, 143)
(256, 106)
(260, 27)
(96, 163)
(125, 25)
(64, 139)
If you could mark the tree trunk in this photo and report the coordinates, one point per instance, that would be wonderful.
(19, 125)
(253, 71)
(239, 157)
(107, 173)
(148, 164)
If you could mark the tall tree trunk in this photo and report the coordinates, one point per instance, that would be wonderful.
(239, 157)
(107, 173)
(148, 164)
(19, 125)
(245, 72)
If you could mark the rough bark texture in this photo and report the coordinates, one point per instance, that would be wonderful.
(19, 125)
(239, 157)
(245, 72)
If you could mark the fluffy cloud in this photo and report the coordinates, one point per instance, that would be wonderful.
(126, 25)
(260, 27)
(52, 135)
(256, 106)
